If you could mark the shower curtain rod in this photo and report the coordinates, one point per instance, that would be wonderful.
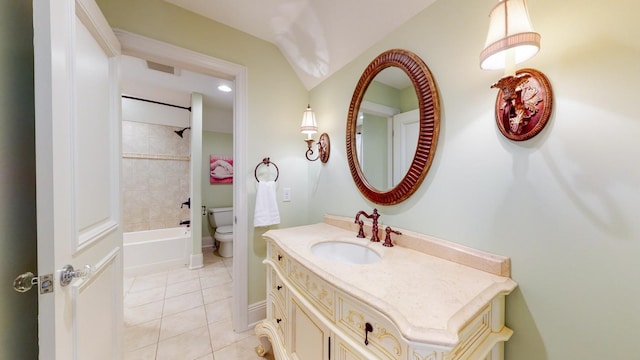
(156, 102)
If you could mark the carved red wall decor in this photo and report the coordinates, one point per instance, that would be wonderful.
(523, 106)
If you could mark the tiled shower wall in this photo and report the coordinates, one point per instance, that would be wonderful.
(155, 176)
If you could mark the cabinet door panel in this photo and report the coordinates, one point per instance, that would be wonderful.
(309, 338)
(345, 352)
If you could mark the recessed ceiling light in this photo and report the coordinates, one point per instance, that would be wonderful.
(224, 88)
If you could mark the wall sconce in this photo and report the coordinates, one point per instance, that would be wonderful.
(525, 98)
(310, 127)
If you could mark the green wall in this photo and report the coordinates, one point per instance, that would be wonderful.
(215, 195)
(563, 205)
(18, 312)
(403, 100)
(382, 94)
(408, 99)
(276, 100)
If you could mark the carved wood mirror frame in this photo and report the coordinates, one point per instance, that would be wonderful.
(429, 105)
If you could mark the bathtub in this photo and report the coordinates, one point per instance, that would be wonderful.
(156, 250)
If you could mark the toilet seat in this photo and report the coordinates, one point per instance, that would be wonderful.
(226, 229)
(223, 237)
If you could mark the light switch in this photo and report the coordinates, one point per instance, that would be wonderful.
(286, 194)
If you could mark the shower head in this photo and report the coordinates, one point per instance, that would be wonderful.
(179, 132)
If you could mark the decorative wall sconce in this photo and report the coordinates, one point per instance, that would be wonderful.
(310, 127)
(525, 98)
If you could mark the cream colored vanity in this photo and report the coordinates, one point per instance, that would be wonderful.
(423, 299)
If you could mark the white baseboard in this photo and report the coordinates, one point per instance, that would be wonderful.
(196, 261)
(207, 242)
(257, 312)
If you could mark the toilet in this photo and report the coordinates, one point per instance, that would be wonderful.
(221, 219)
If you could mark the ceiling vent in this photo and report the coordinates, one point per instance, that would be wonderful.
(161, 67)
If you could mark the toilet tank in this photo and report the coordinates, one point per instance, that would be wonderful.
(221, 216)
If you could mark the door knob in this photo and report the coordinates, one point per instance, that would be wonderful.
(68, 273)
(24, 282)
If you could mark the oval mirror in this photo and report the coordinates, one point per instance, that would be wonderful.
(392, 127)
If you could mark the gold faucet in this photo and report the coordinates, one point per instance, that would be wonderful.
(374, 226)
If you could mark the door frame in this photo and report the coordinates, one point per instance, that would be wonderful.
(154, 50)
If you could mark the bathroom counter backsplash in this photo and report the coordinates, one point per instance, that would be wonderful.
(429, 287)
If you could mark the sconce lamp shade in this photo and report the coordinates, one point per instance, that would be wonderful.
(510, 30)
(309, 125)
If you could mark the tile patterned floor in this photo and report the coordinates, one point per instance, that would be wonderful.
(184, 315)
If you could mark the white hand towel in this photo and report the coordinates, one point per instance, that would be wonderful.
(266, 206)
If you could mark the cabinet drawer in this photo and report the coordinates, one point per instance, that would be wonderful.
(315, 290)
(384, 339)
(279, 319)
(278, 257)
(278, 290)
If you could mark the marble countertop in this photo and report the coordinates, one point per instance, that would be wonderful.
(429, 298)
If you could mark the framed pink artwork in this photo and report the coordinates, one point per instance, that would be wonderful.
(220, 169)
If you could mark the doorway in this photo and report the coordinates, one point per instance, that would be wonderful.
(163, 53)
(174, 121)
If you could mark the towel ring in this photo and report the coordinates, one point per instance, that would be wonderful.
(267, 162)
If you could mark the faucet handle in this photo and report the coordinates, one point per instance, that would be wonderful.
(387, 239)
(361, 230)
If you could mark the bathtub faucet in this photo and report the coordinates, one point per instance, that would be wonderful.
(188, 203)
(374, 226)
(185, 222)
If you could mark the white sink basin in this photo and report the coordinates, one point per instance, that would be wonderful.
(345, 252)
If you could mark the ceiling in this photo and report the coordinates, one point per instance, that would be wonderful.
(141, 80)
(317, 37)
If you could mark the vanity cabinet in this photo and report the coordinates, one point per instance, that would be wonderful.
(300, 307)
(319, 310)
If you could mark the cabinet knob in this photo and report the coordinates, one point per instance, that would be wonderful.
(279, 287)
(279, 257)
(278, 320)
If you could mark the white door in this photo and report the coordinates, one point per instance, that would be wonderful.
(77, 179)
(406, 129)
